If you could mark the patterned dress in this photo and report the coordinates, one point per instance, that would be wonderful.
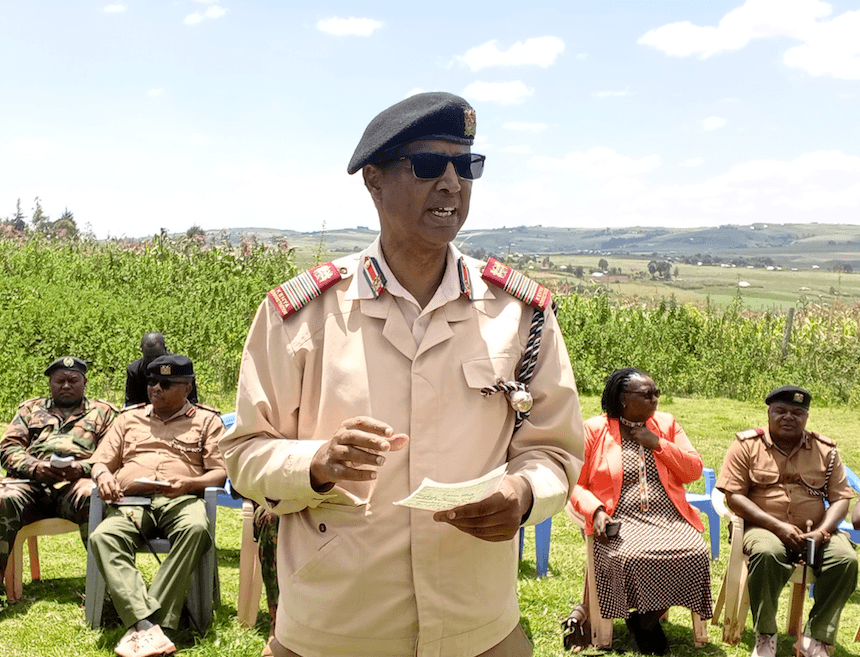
(658, 559)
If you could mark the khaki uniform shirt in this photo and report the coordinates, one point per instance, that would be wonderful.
(779, 483)
(39, 430)
(140, 444)
(359, 575)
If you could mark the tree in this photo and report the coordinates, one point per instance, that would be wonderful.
(602, 264)
(652, 268)
(65, 226)
(579, 272)
(195, 230)
(19, 221)
(40, 220)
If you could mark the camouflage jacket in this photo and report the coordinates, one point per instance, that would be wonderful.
(38, 430)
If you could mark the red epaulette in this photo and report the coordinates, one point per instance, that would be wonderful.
(297, 292)
(517, 284)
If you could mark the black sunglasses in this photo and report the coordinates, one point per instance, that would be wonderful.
(165, 384)
(427, 166)
(647, 394)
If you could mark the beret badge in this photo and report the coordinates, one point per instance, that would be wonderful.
(68, 361)
(165, 370)
(469, 122)
(798, 397)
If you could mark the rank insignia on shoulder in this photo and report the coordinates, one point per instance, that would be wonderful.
(373, 275)
(297, 292)
(749, 433)
(516, 284)
(133, 406)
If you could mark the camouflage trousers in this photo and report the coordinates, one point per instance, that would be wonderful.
(23, 503)
(266, 535)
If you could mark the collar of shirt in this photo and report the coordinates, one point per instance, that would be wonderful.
(803, 443)
(417, 318)
(187, 409)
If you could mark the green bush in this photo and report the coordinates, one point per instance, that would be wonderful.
(95, 300)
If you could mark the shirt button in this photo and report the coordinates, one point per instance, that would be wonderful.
(322, 528)
(342, 270)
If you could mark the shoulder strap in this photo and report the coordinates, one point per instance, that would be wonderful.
(297, 292)
(516, 284)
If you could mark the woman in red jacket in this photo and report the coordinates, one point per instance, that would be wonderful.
(648, 551)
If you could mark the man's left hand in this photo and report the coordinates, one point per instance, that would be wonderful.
(181, 486)
(495, 518)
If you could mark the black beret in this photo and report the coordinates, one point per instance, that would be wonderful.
(789, 395)
(170, 366)
(67, 363)
(434, 115)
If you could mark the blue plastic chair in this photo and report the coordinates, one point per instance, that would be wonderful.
(703, 503)
(225, 497)
(543, 531)
(845, 526)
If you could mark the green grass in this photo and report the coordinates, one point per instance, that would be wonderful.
(49, 621)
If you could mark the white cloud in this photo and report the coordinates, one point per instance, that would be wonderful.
(211, 12)
(155, 92)
(829, 47)
(33, 149)
(582, 55)
(114, 9)
(539, 51)
(215, 12)
(506, 93)
(597, 162)
(714, 122)
(517, 150)
(693, 162)
(610, 94)
(525, 127)
(348, 26)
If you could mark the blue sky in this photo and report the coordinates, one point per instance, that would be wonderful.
(137, 115)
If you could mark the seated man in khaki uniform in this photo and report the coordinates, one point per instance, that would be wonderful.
(777, 479)
(174, 443)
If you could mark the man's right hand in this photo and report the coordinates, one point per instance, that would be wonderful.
(46, 472)
(791, 536)
(354, 453)
(109, 489)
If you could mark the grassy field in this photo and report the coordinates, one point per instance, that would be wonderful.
(49, 621)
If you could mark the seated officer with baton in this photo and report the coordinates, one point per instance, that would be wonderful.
(777, 479)
(167, 449)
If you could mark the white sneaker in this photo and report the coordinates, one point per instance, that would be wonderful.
(153, 642)
(127, 645)
(765, 646)
(810, 647)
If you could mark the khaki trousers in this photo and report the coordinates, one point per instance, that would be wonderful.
(516, 644)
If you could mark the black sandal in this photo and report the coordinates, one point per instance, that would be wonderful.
(576, 629)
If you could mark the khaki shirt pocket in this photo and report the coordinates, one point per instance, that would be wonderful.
(763, 478)
(483, 372)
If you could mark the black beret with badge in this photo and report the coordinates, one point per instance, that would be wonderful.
(67, 363)
(433, 115)
(170, 366)
(789, 395)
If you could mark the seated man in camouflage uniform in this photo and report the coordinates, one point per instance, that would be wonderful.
(167, 449)
(65, 425)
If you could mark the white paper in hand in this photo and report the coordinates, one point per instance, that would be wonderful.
(433, 496)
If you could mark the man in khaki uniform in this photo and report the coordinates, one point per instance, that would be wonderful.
(364, 376)
(167, 449)
(777, 479)
(44, 451)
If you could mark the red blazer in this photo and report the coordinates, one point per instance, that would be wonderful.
(600, 479)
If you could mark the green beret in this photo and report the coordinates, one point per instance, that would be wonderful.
(434, 115)
(170, 366)
(67, 363)
(789, 395)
